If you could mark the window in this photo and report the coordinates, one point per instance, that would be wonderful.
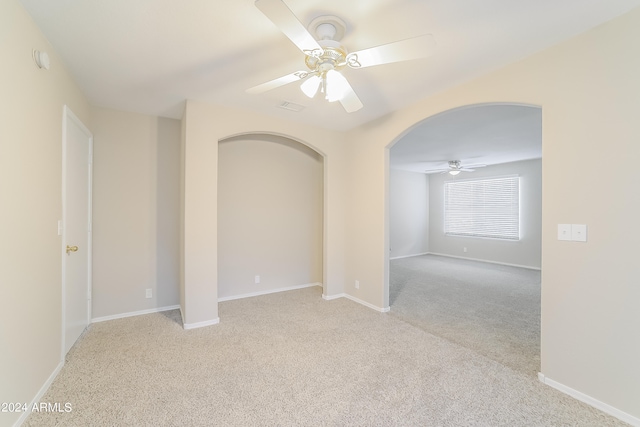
(483, 208)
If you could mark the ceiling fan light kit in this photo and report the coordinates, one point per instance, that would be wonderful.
(325, 56)
(311, 85)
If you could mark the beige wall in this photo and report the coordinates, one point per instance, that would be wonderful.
(588, 89)
(269, 215)
(205, 126)
(31, 187)
(524, 252)
(183, 138)
(136, 191)
(408, 213)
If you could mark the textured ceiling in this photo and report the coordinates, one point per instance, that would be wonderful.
(148, 56)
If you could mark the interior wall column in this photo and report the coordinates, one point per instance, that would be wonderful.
(199, 296)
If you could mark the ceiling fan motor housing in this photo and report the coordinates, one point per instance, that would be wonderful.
(333, 57)
(328, 31)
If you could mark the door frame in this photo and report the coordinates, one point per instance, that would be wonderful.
(68, 116)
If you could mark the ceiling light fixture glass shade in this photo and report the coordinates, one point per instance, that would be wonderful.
(332, 83)
(336, 86)
(311, 85)
(454, 172)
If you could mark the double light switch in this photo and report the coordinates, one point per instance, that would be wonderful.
(572, 232)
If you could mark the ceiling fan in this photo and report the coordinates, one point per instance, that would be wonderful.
(325, 56)
(455, 167)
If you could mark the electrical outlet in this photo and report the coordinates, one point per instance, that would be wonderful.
(149, 293)
(357, 284)
(464, 249)
(257, 279)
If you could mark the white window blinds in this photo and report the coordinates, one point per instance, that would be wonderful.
(483, 208)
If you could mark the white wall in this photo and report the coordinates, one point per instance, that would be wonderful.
(269, 214)
(524, 252)
(31, 108)
(587, 88)
(136, 202)
(408, 213)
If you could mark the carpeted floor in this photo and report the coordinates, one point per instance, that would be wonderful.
(293, 359)
(489, 308)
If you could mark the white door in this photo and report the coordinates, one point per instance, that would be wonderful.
(76, 226)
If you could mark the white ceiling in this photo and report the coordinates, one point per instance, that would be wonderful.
(148, 56)
(486, 134)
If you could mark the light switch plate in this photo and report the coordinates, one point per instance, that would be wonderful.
(579, 232)
(564, 231)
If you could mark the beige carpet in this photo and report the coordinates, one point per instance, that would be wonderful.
(492, 309)
(292, 359)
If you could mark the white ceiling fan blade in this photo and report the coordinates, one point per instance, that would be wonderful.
(288, 23)
(281, 81)
(350, 100)
(429, 171)
(404, 50)
(466, 170)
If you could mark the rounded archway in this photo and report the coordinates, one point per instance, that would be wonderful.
(444, 258)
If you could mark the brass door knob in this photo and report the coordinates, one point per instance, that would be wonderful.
(72, 249)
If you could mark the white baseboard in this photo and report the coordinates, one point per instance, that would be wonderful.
(354, 299)
(484, 260)
(408, 256)
(197, 325)
(134, 313)
(332, 297)
(270, 291)
(40, 393)
(627, 418)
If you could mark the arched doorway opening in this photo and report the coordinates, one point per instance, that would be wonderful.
(454, 268)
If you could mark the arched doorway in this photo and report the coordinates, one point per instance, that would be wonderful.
(479, 290)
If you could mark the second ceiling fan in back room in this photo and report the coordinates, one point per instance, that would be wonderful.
(325, 56)
(455, 167)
